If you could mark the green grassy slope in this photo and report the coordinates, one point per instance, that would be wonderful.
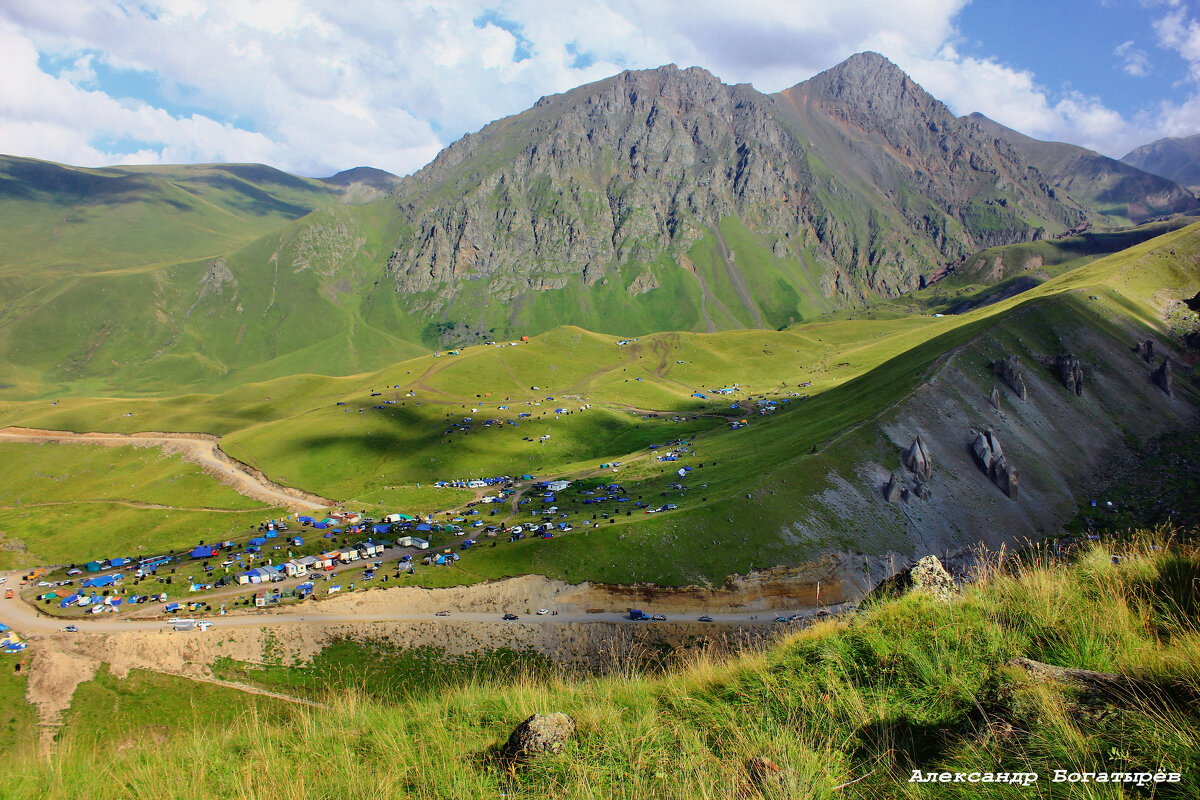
(845, 709)
(327, 435)
(63, 503)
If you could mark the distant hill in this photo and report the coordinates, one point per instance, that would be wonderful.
(369, 176)
(1122, 192)
(1177, 159)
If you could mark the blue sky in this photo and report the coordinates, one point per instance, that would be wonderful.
(316, 86)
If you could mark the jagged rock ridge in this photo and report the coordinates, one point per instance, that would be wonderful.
(857, 178)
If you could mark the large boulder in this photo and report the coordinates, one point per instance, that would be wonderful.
(1008, 370)
(929, 576)
(1145, 350)
(918, 460)
(539, 734)
(1070, 370)
(990, 456)
(893, 492)
(1164, 377)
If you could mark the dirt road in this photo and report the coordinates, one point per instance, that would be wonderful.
(197, 448)
(480, 603)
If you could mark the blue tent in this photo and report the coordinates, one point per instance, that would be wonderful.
(308, 519)
(92, 566)
(69, 600)
(320, 525)
(103, 580)
(258, 540)
(297, 541)
(203, 551)
(172, 608)
(424, 526)
(381, 529)
(118, 562)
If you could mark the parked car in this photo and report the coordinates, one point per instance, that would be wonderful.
(706, 618)
(543, 611)
(71, 629)
(442, 614)
(659, 618)
(510, 617)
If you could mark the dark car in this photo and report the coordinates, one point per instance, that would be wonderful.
(71, 629)
(510, 616)
(442, 614)
(781, 619)
(706, 618)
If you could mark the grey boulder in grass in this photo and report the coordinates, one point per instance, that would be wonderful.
(539, 734)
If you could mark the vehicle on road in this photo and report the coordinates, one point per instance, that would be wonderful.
(442, 614)
(638, 614)
(706, 618)
(659, 618)
(543, 611)
(71, 628)
(781, 619)
(510, 617)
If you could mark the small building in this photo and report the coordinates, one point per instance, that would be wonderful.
(369, 549)
(295, 569)
(260, 598)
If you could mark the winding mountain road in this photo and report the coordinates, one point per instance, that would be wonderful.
(197, 448)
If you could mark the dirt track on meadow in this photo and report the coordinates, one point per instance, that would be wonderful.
(197, 448)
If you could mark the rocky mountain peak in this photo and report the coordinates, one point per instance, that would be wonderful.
(870, 92)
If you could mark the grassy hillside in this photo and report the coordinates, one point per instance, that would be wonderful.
(64, 503)
(847, 708)
(379, 440)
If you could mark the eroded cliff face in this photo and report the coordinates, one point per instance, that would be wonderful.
(857, 173)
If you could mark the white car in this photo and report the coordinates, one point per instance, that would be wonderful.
(516, 529)
(543, 611)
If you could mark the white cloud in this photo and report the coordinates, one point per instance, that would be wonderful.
(314, 86)
(1135, 62)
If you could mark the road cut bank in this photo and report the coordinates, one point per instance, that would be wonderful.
(1138, 779)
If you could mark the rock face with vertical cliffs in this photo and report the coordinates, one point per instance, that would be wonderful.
(849, 185)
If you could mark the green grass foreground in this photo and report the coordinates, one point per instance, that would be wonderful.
(847, 708)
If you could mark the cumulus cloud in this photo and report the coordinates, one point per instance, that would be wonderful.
(315, 86)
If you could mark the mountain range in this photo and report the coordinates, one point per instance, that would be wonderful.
(1175, 158)
(653, 200)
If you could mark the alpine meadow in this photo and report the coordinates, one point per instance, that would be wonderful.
(666, 439)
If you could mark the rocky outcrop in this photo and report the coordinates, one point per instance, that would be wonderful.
(1008, 370)
(930, 577)
(893, 490)
(918, 460)
(990, 456)
(1164, 377)
(994, 399)
(539, 734)
(927, 576)
(1145, 350)
(1070, 370)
